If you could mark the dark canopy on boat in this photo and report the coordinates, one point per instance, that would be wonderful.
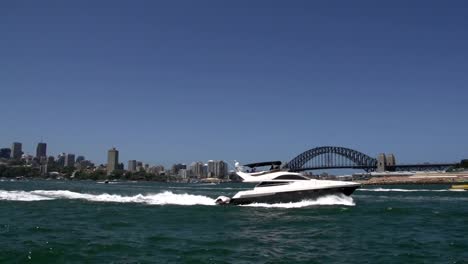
(266, 163)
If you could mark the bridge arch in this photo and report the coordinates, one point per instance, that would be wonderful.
(329, 157)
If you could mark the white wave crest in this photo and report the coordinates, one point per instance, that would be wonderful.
(21, 196)
(153, 199)
(401, 190)
(325, 200)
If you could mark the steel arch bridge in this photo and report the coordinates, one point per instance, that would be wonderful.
(329, 157)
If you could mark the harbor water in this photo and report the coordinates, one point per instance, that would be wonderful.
(141, 222)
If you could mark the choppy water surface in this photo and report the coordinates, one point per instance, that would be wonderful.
(135, 222)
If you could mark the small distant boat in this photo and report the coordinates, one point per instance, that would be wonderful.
(459, 187)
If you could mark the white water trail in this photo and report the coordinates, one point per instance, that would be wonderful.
(162, 198)
(153, 199)
(21, 196)
(400, 190)
(325, 200)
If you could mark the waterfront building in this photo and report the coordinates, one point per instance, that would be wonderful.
(139, 166)
(210, 168)
(158, 170)
(132, 165)
(16, 150)
(28, 159)
(43, 169)
(112, 160)
(79, 159)
(42, 160)
(41, 150)
(5, 153)
(217, 169)
(61, 159)
(177, 167)
(196, 169)
(205, 171)
(50, 160)
(69, 160)
(182, 173)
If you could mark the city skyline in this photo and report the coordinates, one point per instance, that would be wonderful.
(71, 159)
(174, 83)
(113, 163)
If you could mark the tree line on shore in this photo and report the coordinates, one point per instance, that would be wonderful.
(72, 173)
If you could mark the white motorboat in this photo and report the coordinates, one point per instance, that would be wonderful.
(280, 186)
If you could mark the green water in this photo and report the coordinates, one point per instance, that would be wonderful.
(76, 222)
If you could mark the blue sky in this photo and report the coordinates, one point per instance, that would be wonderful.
(178, 81)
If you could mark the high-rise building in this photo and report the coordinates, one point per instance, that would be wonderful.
(80, 159)
(50, 160)
(217, 169)
(158, 170)
(177, 167)
(41, 150)
(182, 173)
(5, 153)
(112, 160)
(16, 150)
(196, 169)
(69, 160)
(210, 168)
(61, 159)
(205, 171)
(132, 164)
(139, 166)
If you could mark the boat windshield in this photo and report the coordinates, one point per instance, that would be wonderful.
(275, 183)
(290, 177)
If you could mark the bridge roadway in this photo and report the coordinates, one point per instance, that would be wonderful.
(331, 157)
(405, 167)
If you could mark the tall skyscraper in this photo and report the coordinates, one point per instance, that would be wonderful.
(69, 160)
(196, 169)
(16, 150)
(132, 164)
(112, 160)
(41, 150)
(211, 169)
(217, 169)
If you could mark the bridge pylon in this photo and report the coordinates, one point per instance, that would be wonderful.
(385, 161)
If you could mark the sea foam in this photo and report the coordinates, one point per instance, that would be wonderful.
(163, 198)
(154, 199)
(401, 190)
(325, 200)
(21, 196)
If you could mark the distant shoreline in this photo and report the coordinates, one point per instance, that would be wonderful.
(417, 179)
(382, 180)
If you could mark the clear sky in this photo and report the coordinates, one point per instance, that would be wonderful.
(179, 81)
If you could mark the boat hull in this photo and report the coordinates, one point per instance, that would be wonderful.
(293, 196)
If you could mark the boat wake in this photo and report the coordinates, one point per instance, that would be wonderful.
(401, 190)
(152, 199)
(163, 198)
(325, 200)
(21, 196)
